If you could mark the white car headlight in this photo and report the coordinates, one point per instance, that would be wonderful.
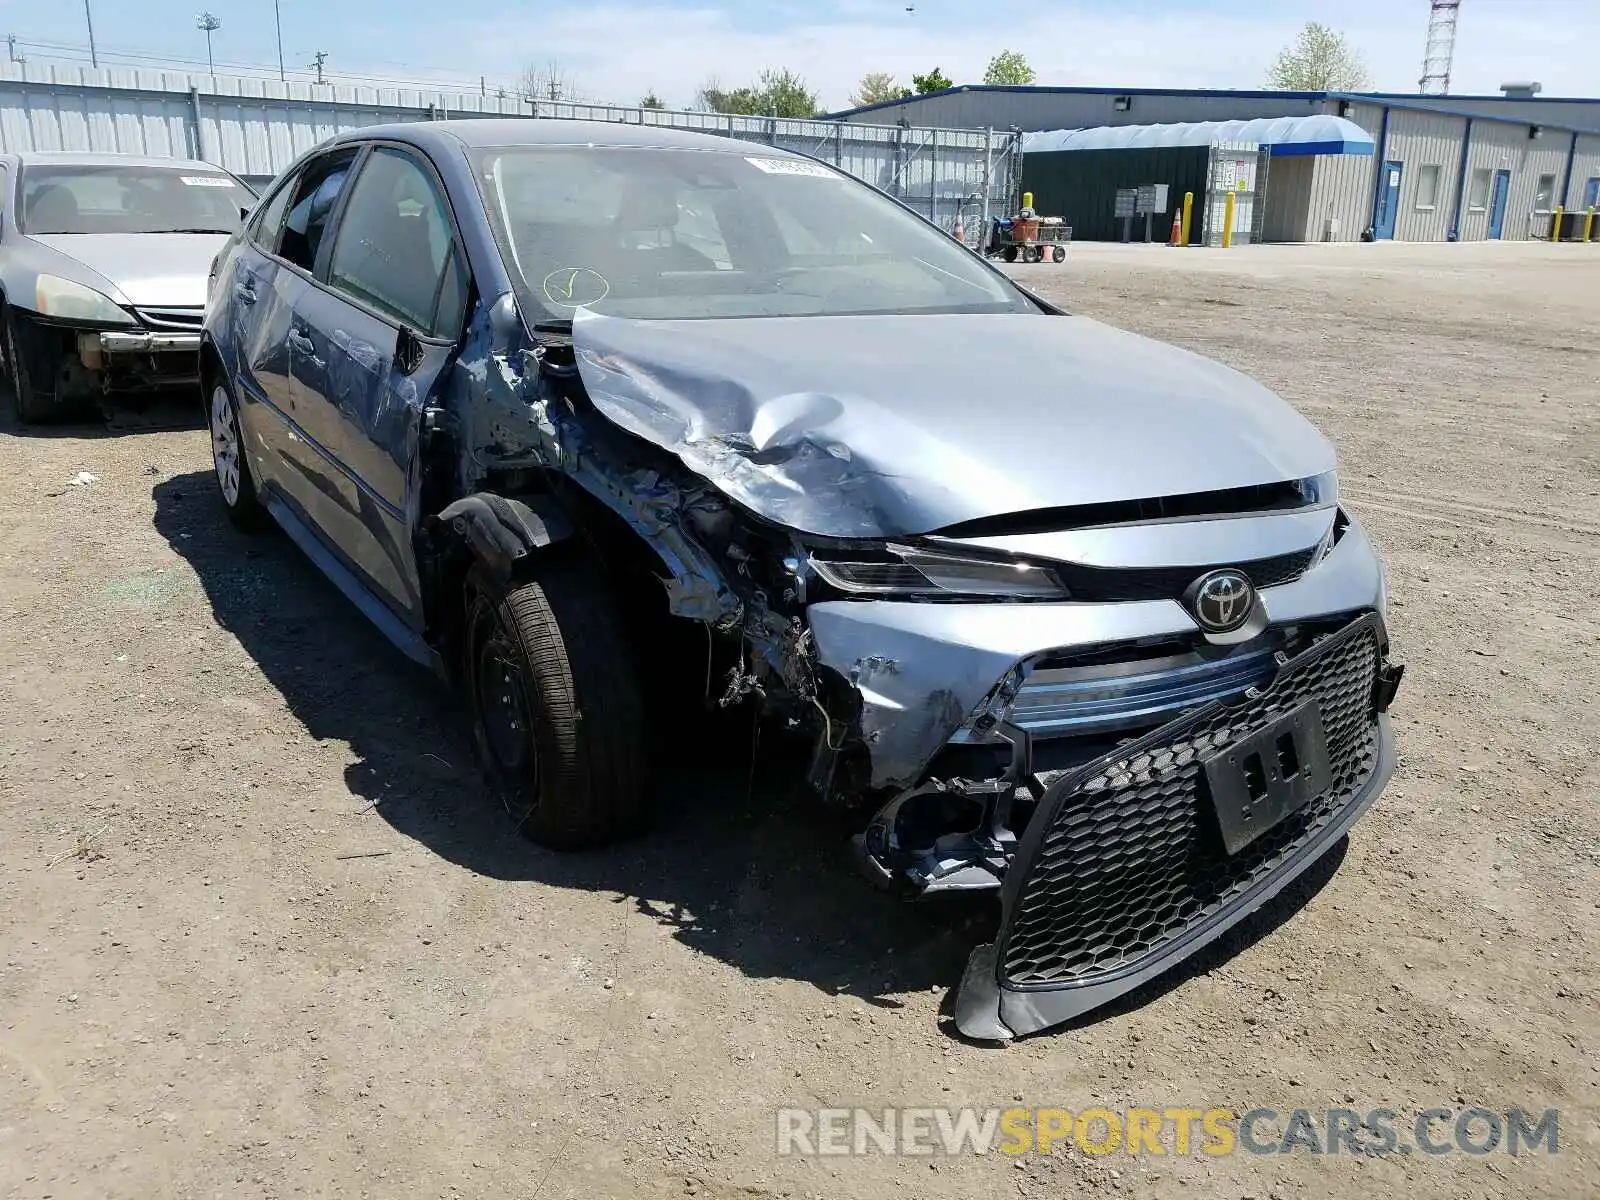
(58, 297)
(910, 571)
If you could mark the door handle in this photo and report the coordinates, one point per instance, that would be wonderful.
(245, 291)
(301, 343)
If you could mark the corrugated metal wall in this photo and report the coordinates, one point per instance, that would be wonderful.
(1585, 166)
(1509, 148)
(1288, 206)
(255, 128)
(1341, 185)
(1574, 114)
(1081, 186)
(1422, 140)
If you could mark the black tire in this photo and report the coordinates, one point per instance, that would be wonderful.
(33, 403)
(556, 707)
(1061, 254)
(240, 499)
(1010, 254)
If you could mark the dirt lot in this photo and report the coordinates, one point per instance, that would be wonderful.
(202, 993)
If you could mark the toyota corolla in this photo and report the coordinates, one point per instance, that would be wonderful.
(1066, 614)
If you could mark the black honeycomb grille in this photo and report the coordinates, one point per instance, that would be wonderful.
(1131, 859)
(1113, 584)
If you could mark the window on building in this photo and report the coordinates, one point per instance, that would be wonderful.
(1478, 194)
(1544, 196)
(1428, 186)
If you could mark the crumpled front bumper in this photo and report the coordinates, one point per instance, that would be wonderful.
(923, 670)
(144, 341)
(1123, 873)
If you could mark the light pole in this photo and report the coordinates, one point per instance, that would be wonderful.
(88, 15)
(277, 17)
(210, 24)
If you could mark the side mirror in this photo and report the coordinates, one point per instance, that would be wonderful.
(408, 351)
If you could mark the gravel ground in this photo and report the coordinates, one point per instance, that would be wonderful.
(203, 993)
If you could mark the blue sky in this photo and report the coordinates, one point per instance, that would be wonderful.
(618, 49)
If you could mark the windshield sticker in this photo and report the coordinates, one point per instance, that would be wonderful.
(575, 287)
(207, 181)
(792, 166)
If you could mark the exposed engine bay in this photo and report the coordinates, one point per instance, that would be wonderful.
(943, 679)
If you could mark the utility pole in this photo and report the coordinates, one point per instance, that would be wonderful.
(317, 59)
(210, 24)
(277, 17)
(88, 15)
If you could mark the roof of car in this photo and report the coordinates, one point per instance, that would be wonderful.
(527, 131)
(85, 158)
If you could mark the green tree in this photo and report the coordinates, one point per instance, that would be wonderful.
(878, 87)
(779, 93)
(1319, 60)
(1008, 67)
(651, 100)
(934, 81)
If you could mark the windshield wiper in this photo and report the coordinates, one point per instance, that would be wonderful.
(193, 229)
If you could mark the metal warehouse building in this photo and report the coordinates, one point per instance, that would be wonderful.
(1466, 168)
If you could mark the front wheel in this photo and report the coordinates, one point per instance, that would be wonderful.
(33, 403)
(1011, 254)
(557, 714)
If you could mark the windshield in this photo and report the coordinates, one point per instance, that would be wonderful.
(688, 233)
(124, 199)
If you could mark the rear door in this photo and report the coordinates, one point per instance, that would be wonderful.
(373, 335)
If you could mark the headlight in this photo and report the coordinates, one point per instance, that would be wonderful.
(909, 571)
(1319, 491)
(57, 297)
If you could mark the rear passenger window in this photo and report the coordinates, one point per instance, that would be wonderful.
(315, 196)
(395, 251)
(269, 226)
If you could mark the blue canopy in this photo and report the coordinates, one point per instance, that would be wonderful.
(1319, 134)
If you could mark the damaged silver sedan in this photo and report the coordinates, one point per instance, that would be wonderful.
(1065, 613)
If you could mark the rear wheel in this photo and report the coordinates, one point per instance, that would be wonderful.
(228, 459)
(1061, 254)
(557, 714)
(1011, 254)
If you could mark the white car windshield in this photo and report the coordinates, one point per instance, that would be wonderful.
(128, 199)
(687, 233)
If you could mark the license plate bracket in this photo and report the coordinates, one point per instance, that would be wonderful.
(1273, 773)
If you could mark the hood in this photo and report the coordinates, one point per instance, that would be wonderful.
(160, 269)
(896, 425)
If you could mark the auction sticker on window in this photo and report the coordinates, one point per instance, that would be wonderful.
(206, 181)
(792, 166)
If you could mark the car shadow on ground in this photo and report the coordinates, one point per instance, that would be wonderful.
(741, 864)
(175, 409)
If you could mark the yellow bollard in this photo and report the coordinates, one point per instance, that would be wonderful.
(1027, 199)
(1588, 225)
(1227, 223)
(1188, 216)
(1555, 224)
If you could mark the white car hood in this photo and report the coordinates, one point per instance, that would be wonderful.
(161, 269)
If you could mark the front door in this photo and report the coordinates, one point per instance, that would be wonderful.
(372, 336)
(1388, 200)
(1497, 205)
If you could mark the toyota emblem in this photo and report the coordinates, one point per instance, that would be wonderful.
(1221, 601)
